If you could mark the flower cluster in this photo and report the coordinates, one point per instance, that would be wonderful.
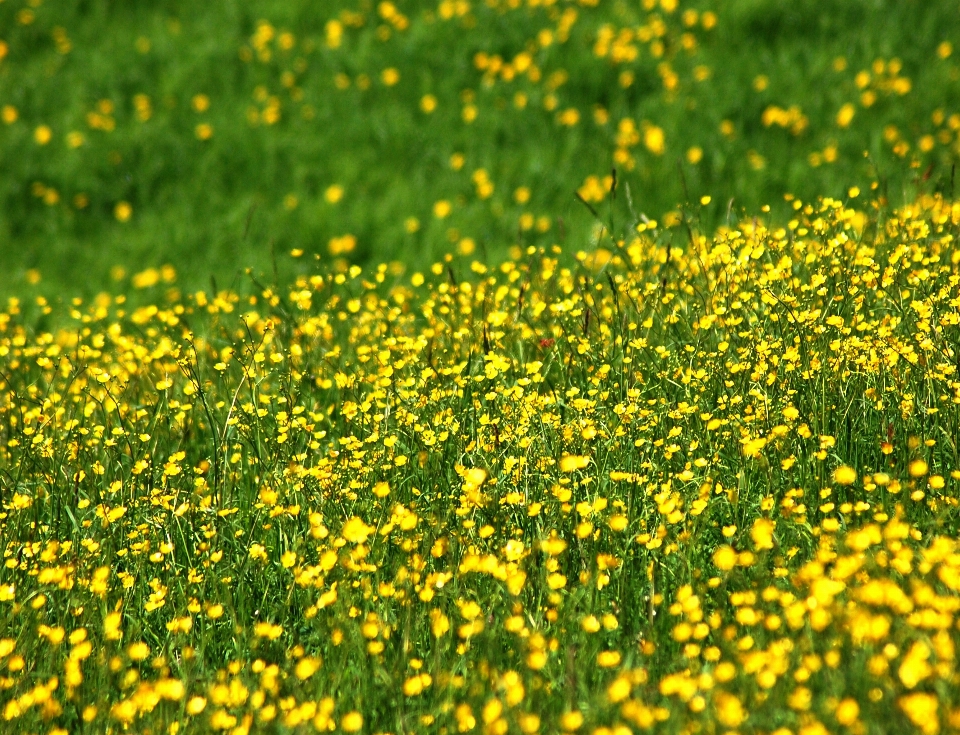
(652, 487)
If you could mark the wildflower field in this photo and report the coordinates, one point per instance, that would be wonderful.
(457, 452)
(220, 134)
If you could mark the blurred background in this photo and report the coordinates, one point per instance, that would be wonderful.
(210, 137)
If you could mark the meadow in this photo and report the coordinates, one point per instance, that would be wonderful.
(709, 489)
(333, 408)
(225, 134)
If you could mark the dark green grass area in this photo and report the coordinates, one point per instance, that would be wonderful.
(212, 207)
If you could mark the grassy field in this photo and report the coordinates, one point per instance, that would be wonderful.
(710, 489)
(344, 386)
(217, 135)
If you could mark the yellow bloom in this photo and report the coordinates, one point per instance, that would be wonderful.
(725, 558)
(138, 651)
(572, 462)
(390, 76)
(914, 667)
(356, 531)
(111, 626)
(762, 533)
(608, 659)
(416, 684)
(619, 689)
(333, 194)
(475, 476)
(730, 711)
(571, 721)
(654, 140)
(844, 475)
(123, 211)
(352, 722)
(847, 712)
(439, 623)
(590, 624)
(845, 116)
(268, 630)
(922, 710)
(42, 135)
(307, 667)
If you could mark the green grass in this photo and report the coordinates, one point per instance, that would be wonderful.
(214, 207)
(455, 452)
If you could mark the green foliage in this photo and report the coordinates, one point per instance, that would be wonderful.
(255, 188)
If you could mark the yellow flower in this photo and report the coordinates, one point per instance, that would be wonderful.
(725, 558)
(729, 710)
(42, 135)
(138, 651)
(571, 721)
(536, 660)
(416, 684)
(572, 462)
(762, 533)
(608, 659)
(470, 610)
(111, 627)
(352, 722)
(921, 710)
(439, 623)
(847, 711)
(619, 689)
(569, 117)
(844, 475)
(267, 630)
(356, 531)
(333, 193)
(123, 211)
(918, 468)
(307, 667)
(390, 76)
(914, 667)
(654, 140)
(475, 476)
(845, 116)
(529, 723)
(590, 624)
